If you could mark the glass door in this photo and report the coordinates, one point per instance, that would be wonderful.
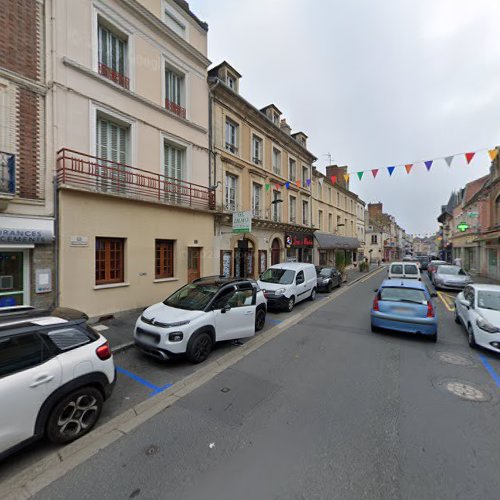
(12, 279)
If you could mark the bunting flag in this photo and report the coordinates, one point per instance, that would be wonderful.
(360, 175)
(428, 165)
(469, 156)
(374, 172)
(493, 153)
(287, 185)
(408, 167)
(448, 160)
(333, 178)
(320, 181)
(277, 187)
(298, 183)
(390, 170)
(308, 182)
(346, 177)
(268, 187)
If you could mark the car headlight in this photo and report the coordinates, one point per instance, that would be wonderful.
(175, 336)
(486, 326)
(280, 291)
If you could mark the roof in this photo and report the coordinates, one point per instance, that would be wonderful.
(270, 106)
(219, 280)
(294, 135)
(185, 7)
(213, 71)
(473, 187)
(402, 283)
(291, 265)
(329, 241)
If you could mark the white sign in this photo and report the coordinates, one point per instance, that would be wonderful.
(242, 222)
(79, 241)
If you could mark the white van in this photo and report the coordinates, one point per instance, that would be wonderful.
(406, 270)
(286, 284)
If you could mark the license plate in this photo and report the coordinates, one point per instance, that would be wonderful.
(401, 310)
(146, 335)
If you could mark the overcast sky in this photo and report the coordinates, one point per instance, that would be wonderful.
(374, 83)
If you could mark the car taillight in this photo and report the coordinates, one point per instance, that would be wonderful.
(375, 304)
(430, 310)
(103, 352)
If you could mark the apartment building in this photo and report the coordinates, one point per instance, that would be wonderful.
(258, 165)
(27, 250)
(128, 119)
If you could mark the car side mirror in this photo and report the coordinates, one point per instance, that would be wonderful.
(225, 309)
(465, 303)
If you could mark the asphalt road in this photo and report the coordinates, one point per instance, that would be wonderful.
(325, 410)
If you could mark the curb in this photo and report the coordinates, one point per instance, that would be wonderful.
(28, 482)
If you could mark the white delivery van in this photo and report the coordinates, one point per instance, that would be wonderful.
(286, 284)
(405, 270)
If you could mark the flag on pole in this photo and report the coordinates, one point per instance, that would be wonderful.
(469, 156)
(390, 170)
(408, 167)
(428, 165)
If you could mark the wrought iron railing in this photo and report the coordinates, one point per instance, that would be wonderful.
(114, 75)
(175, 108)
(95, 174)
(7, 173)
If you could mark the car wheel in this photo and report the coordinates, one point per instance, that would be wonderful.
(260, 319)
(374, 328)
(290, 304)
(470, 337)
(330, 287)
(74, 415)
(199, 347)
(313, 294)
(457, 319)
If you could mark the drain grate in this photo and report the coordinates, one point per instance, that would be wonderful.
(455, 359)
(465, 390)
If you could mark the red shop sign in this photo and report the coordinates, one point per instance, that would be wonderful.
(299, 240)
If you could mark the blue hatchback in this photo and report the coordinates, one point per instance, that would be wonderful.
(404, 306)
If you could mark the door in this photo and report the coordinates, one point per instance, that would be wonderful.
(234, 313)
(275, 252)
(194, 265)
(27, 378)
(302, 288)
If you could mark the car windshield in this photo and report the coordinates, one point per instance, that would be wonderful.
(411, 269)
(397, 269)
(192, 297)
(413, 295)
(488, 299)
(279, 276)
(452, 270)
(325, 272)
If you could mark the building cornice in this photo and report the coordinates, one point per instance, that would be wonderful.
(38, 88)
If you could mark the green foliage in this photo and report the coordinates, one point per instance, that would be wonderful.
(364, 267)
(340, 263)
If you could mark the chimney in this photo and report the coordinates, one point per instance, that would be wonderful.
(375, 210)
(285, 127)
(338, 172)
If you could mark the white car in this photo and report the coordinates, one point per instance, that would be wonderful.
(404, 270)
(478, 309)
(55, 373)
(191, 320)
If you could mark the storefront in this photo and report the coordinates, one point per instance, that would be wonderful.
(334, 250)
(299, 247)
(26, 261)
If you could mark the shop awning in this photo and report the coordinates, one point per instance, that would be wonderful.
(327, 241)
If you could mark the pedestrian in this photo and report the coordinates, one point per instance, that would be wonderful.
(378, 262)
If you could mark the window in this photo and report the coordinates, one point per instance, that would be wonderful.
(164, 259)
(174, 92)
(174, 161)
(276, 206)
(112, 56)
(5, 112)
(352, 228)
(330, 223)
(338, 200)
(320, 191)
(293, 209)
(68, 338)
(320, 218)
(305, 213)
(305, 176)
(292, 170)
(175, 23)
(257, 150)
(497, 211)
(21, 352)
(256, 200)
(231, 136)
(374, 239)
(231, 82)
(300, 278)
(276, 161)
(330, 195)
(276, 119)
(109, 260)
(338, 222)
(231, 185)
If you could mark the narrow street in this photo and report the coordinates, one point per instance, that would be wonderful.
(327, 409)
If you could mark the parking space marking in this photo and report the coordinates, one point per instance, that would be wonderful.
(445, 299)
(272, 320)
(155, 389)
(490, 369)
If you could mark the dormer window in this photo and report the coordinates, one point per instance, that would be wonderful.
(231, 82)
(276, 119)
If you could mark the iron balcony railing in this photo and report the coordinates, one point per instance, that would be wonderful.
(91, 173)
(7, 173)
(175, 108)
(114, 75)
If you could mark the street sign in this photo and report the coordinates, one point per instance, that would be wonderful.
(463, 226)
(242, 222)
(473, 214)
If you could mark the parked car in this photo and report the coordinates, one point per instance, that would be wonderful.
(328, 278)
(404, 306)
(55, 373)
(289, 283)
(424, 261)
(477, 308)
(198, 315)
(450, 278)
(433, 265)
(404, 270)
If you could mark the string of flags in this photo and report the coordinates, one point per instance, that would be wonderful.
(469, 156)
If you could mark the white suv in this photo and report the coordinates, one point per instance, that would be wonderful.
(197, 315)
(55, 373)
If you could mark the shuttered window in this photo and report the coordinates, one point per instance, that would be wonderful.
(112, 141)
(174, 161)
(109, 260)
(164, 259)
(112, 56)
(174, 86)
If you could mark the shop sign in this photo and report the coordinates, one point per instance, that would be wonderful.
(12, 236)
(463, 226)
(79, 241)
(473, 214)
(242, 222)
(299, 240)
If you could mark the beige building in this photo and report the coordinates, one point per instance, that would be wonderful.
(259, 166)
(128, 115)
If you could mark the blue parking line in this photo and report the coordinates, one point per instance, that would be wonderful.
(271, 320)
(490, 369)
(155, 389)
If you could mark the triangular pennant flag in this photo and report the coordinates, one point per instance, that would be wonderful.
(320, 181)
(308, 182)
(428, 165)
(298, 183)
(390, 170)
(493, 153)
(360, 175)
(287, 185)
(277, 186)
(268, 187)
(448, 160)
(333, 178)
(408, 167)
(469, 156)
(374, 172)
(346, 177)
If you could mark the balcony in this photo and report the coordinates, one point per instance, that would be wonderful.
(90, 173)
(7, 175)
(175, 108)
(114, 76)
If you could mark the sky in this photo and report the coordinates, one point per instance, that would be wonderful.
(374, 83)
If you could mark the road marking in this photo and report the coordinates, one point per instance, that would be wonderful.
(100, 328)
(490, 369)
(271, 320)
(444, 299)
(140, 380)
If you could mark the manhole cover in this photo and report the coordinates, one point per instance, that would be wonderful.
(455, 359)
(465, 390)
